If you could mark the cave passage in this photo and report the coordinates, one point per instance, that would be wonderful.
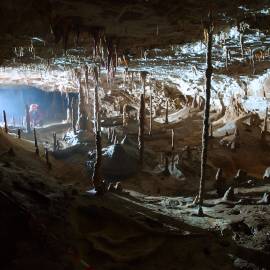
(52, 106)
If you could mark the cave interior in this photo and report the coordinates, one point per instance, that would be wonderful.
(134, 134)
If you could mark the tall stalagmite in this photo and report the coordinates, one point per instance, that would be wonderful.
(209, 28)
(141, 130)
(96, 177)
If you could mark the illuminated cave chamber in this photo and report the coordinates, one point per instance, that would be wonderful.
(114, 156)
(53, 106)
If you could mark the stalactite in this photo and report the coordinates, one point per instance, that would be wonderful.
(83, 121)
(141, 130)
(205, 135)
(116, 57)
(109, 53)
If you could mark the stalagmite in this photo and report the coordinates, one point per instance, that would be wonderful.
(143, 78)
(205, 135)
(229, 195)
(266, 175)
(167, 112)
(264, 131)
(240, 177)
(141, 130)
(28, 126)
(220, 183)
(241, 29)
(211, 131)
(19, 133)
(96, 177)
(109, 134)
(125, 122)
(36, 143)
(242, 44)
(54, 142)
(151, 115)
(172, 142)
(172, 149)
(132, 80)
(227, 55)
(47, 158)
(166, 171)
(125, 76)
(236, 140)
(5, 121)
(113, 135)
(74, 106)
(115, 140)
(265, 200)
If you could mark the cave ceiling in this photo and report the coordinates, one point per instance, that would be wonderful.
(128, 23)
(38, 37)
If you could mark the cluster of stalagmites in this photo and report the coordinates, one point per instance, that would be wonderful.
(233, 141)
(241, 179)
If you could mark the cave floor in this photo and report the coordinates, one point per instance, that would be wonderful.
(136, 228)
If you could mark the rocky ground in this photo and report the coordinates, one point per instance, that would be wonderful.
(152, 223)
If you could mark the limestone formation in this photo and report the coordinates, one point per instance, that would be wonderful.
(266, 175)
(47, 158)
(209, 29)
(265, 199)
(167, 112)
(118, 187)
(220, 183)
(240, 177)
(151, 115)
(96, 177)
(28, 125)
(141, 130)
(54, 142)
(36, 143)
(19, 133)
(5, 121)
(229, 194)
(265, 127)
(125, 120)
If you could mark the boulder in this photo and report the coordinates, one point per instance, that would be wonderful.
(117, 162)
